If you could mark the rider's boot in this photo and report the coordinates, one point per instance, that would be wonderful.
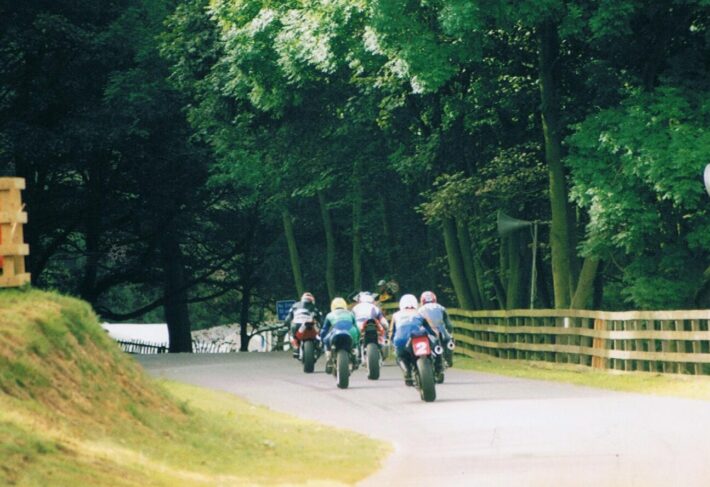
(407, 371)
(355, 358)
(449, 357)
(295, 345)
(438, 364)
(328, 362)
(408, 380)
(439, 369)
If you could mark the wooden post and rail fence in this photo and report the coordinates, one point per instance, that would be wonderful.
(672, 342)
(12, 247)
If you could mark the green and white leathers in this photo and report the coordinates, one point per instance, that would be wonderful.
(339, 319)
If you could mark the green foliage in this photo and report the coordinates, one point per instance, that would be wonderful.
(143, 122)
(637, 168)
(451, 196)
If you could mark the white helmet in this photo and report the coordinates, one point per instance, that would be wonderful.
(408, 301)
(365, 297)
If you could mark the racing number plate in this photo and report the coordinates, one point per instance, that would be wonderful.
(420, 346)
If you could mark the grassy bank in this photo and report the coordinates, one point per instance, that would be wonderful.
(74, 410)
(693, 387)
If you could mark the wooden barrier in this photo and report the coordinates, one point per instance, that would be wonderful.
(636, 341)
(12, 247)
(632, 341)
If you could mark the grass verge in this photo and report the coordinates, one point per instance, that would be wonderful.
(692, 387)
(74, 410)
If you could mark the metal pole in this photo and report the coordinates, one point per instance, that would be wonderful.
(533, 273)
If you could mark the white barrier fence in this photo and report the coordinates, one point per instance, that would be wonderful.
(219, 339)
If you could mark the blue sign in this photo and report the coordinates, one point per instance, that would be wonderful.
(282, 308)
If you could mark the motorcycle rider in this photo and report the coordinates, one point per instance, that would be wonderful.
(436, 315)
(366, 310)
(386, 290)
(438, 318)
(307, 303)
(340, 318)
(406, 322)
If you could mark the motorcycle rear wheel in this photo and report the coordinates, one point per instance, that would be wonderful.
(309, 356)
(343, 369)
(427, 389)
(373, 361)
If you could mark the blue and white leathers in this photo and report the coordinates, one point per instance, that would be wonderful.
(338, 322)
(405, 323)
(437, 317)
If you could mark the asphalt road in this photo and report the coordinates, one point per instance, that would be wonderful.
(482, 430)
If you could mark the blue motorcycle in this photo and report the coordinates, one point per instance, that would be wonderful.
(341, 361)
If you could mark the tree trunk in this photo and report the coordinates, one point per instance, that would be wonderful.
(248, 280)
(433, 241)
(453, 254)
(357, 227)
(585, 287)
(560, 231)
(598, 297)
(467, 259)
(329, 246)
(177, 314)
(389, 243)
(293, 252)
(488, 268)
(503, 270)
(515, 272)
(480, 281)
(92, 234)
(544, 291)
(244, 318)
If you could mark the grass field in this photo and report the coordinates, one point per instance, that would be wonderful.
(75, 410)
(693, 387)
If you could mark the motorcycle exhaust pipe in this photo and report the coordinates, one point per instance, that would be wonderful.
(438, 350)
(451, 345)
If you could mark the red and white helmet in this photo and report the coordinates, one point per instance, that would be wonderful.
(427, 297)
(308, 298)
(408, 301)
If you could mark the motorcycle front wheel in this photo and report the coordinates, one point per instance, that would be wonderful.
(425, 370)
(343, 369)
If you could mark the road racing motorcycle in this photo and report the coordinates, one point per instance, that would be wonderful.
(341, 361)
(371, 350)
(307, 335)
(420, 357)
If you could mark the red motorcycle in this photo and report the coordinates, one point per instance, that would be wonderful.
(307, 335)
(371, 349)
(420, 357)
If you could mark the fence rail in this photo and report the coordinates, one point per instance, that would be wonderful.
(675, 342)
(12, 247)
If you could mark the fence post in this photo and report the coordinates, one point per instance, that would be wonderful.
(599, 344)
(12, 247)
